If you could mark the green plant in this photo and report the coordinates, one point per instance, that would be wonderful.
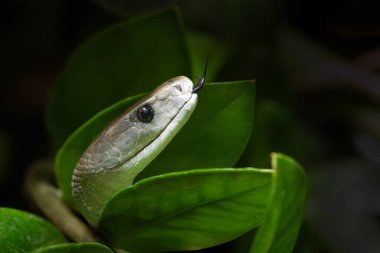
(189, 197)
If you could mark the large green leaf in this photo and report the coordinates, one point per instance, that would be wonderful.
(68, 156)
(121, 61)
(187, 210)
(22, 232)
(286, 207)
(85, 247)
(216, 134)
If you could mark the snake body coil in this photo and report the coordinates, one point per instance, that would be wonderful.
(130, 143)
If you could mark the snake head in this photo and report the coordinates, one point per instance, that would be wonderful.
(128, 144)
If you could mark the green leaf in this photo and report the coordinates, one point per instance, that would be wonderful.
(123, 60)
(68, 156)
(187, 210)
(202, 46)
(216, 134)
(286, 207)
(85, 247)
(22, 232)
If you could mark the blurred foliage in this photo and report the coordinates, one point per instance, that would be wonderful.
(314, 61)
(277, 122)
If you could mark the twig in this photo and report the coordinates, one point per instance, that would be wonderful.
(47, 198)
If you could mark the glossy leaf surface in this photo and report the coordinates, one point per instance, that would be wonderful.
(24, 232)
(286, 207)
(115, 63)
(187, 210)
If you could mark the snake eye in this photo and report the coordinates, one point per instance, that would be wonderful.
(145, 113)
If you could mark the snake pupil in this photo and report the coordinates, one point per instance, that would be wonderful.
(145, 113)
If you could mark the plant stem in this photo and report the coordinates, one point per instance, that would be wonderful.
(47, 198)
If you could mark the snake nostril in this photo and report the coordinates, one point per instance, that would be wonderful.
(178, 87)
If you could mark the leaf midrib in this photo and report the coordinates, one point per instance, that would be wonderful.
(166, 217)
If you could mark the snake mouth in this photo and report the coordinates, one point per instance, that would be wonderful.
(202, 80)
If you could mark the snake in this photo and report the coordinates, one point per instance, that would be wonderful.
(129, 143)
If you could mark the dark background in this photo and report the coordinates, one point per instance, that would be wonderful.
(318, 61)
